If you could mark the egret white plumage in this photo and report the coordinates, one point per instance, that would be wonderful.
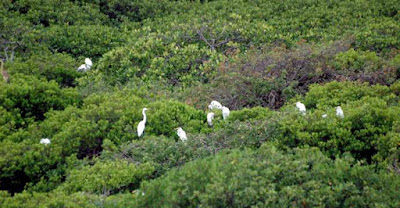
(181, 134)
(301, 107)
(215, 105)
(225, 112)
(325, 115)
(85, 67)
(141, 125)
(210, 117)
(339, 112)
(82, 68)
(45, 141)
(88, 62)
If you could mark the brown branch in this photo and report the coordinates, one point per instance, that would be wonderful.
(200, 33)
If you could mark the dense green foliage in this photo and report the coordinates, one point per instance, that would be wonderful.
(270, 178)
(105, 177)
(173, 57)
(371, 115)
(27, 98)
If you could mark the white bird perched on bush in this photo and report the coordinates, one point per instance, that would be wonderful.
(210, 117)
(88, 62)
(85, 67)
(45, 141)
(141, 125)
(225, 112)
(301, 107)
(215, 105)
(181, 134)
(325, 115)
(82, 68)
(339, 112)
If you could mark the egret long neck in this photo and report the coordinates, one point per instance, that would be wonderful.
(144, 116)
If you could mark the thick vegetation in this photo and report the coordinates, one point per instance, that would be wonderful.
(258, 58)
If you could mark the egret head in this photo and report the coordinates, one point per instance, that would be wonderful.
(145, 109)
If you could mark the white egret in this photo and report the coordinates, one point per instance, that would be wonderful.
(215, 105)
(210, 117)
(325, 115)
(225, 112)
(141, 125)
(339, 112)
(82, 68)
(301, 107)
(88, 62)
(85, 67)
(45, 141)
(181, 134)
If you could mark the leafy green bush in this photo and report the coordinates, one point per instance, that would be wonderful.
(58, 67)
(271, 178)
(337, 93)
(150, 58)
(136, 11)
(358, 61)
(73, 132)
(178, 51)
(249, 55)
(165, 116)
(368, 118)
(81, 41)
(166, 154)
(29, 164)
(8, 123)
(14, 30)
(28, 98)
(12, 175)
(48, 12)
(248, 114)
(106, 177)
(54, 199)
(82, 130)
(379, 35)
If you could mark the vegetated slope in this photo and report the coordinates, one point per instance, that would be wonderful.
(173, 57)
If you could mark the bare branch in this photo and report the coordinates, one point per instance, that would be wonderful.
(200, 33)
